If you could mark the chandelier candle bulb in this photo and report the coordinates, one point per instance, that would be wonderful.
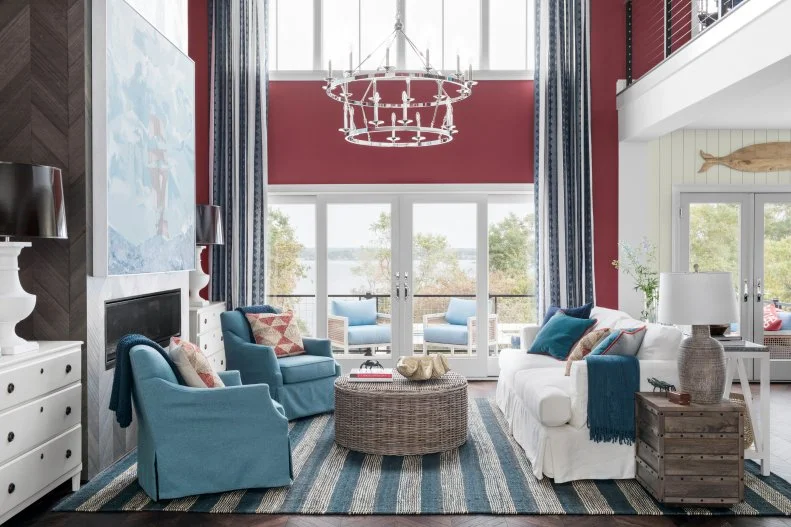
(329, 69)
(387, 58)
(393, 122)
(346, 116)
(428, 62)
(458, 64)
(404, 98)
(351, 63)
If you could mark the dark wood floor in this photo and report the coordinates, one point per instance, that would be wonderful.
(38, 514)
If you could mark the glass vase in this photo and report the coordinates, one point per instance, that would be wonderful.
(649, 310)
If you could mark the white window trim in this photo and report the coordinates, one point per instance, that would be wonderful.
(319, 60)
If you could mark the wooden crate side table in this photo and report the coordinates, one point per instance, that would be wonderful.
(690, 455)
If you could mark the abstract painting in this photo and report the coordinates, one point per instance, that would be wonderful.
(148, 149)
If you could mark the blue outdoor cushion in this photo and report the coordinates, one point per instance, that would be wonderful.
(359, 312)
(576, 312)
(301, 368)
(459, 310)
(369, 334)
(446, 334)
(559, 335)
(785, 317)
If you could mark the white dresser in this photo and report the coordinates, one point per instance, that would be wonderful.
(205, 331)
(40, 430)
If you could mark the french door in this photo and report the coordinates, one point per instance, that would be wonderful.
(749, 235)
(409, 256)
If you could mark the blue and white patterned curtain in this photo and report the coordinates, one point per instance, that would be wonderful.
(564, 216)
(238, 147)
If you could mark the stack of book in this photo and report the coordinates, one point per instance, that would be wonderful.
(371, 375)
(730, 340)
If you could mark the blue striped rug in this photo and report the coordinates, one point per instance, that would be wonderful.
(488, 475)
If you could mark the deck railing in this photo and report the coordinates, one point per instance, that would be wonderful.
(655, 29)
(514, 310)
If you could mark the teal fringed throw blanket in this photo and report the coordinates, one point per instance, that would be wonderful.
(121, 395)
(612, 383)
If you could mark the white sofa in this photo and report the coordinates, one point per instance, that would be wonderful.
(547, 411)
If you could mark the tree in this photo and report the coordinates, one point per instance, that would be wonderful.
(283, 267)
(512, 266)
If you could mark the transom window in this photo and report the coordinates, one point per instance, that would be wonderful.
(493, 36)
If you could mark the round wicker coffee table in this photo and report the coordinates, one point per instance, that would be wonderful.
(401, 418)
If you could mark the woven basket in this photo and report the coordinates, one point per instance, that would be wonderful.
(749, 435)
(401, 418)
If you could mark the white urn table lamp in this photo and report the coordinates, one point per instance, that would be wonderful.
(699, 300)
(208, 231)
(31, 206)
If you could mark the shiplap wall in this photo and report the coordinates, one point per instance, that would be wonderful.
(675, 160)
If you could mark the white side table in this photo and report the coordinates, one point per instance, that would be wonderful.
(735, 357)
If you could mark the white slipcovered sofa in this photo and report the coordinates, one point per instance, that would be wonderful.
(547, 411)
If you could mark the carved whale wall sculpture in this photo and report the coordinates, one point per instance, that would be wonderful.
(764, 157)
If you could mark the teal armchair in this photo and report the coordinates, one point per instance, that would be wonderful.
(205, 440)
(303, 384)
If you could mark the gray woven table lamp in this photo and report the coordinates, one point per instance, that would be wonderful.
(699, 299)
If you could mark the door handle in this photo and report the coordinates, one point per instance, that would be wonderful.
(758, 293)
(406, 285)
(397, 285)
(746, 291)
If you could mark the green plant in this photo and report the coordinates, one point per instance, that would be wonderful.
(639, 263)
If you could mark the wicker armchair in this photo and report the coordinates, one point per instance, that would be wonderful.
(447, 330)
(350, 336)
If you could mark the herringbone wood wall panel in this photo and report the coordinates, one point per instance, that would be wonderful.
(42, 121)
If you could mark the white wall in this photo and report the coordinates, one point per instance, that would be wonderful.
(106, 441)
(650, 170)
(168, 16)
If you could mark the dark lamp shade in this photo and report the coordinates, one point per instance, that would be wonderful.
(32, 204)
(208, 225)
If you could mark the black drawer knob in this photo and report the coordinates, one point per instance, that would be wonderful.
(11, 488)
(10, 436)
(10, 387)
(68, 454)
(68, 368)
(222, 363)
(42, 371)
(68, 410)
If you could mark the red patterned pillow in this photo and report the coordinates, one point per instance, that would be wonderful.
(772, 322)
(193, 366)
(278, 330)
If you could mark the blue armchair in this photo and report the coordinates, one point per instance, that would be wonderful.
(303, 384)
(205, 440)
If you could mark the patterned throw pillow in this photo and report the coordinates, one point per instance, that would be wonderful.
(585, 346)
(277, 330)
(193, 366)
(772, 322)
(621, 342)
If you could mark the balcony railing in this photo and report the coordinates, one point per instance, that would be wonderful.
(514, 310)
(655, 29)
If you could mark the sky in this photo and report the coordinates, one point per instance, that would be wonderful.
(349, 224)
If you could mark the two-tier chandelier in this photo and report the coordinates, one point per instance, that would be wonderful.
(365, 119)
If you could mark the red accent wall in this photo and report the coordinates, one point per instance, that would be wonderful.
(648, 32)
(494, 145)
(198, 47)
(608, 64)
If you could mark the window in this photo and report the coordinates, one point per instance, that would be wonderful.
(490, 35)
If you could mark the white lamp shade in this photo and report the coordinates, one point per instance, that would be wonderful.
(696, 299)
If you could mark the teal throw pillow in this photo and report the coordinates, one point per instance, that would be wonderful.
(625, 342)
(559, 335)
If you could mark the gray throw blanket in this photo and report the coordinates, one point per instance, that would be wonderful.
(612, 383)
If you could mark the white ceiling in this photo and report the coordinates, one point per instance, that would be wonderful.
(762, 100)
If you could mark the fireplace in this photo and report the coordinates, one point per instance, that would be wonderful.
(156, 315)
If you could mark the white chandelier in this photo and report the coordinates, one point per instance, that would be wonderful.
(406, 127)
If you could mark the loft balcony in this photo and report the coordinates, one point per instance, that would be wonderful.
(705, 64)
